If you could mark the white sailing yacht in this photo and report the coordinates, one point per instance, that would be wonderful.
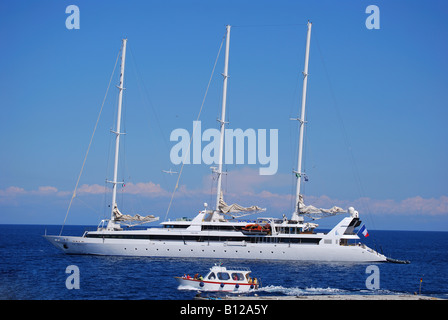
(221, 233)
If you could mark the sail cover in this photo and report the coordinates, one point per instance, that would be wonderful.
(118, 216)
(304, 209)
(225, 208)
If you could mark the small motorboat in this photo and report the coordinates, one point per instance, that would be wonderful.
(220, 278)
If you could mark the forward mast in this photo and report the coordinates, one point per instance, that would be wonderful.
(117, 133)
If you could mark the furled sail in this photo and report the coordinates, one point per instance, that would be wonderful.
(304, 209)
(225, 208)
(118, 216)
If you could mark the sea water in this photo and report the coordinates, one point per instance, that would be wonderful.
(32, 268)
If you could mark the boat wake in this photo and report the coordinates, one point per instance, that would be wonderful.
(294, 291)
(191, 288)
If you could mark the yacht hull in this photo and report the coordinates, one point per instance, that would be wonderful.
(215, 250)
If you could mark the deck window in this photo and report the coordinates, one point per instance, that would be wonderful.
(211, 276)
(223, 276)
(237, 276)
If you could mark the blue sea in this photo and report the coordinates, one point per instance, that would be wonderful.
(32, 269)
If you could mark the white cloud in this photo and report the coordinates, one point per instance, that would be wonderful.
(46, 190)
(91, 189)
(410, 206)
(11, 191)
(145, 188)
(415, 205)
(11, 194)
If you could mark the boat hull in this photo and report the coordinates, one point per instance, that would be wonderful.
(215, 250)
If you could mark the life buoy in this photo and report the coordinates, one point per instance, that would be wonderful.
(201, 284)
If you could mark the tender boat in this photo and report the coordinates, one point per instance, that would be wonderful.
(220, 278)
(255, 228)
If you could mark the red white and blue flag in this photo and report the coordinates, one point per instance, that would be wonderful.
(364, 231)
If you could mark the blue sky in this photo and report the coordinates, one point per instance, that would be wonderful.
(376, 134)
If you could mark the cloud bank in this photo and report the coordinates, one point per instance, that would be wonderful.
(247, 188)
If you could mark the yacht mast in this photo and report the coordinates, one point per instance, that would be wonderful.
(223, 115)
(118, 128)
(302, 123)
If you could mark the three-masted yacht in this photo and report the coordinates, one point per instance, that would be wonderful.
(220, 232)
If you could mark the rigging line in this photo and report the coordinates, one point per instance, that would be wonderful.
(122, 155)
(194, 129)
(89, 206)
(293, 133)
(106, 207)
(90, 143)
(146, 95)
(346, 138)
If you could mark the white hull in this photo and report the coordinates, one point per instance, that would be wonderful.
(215, 285)
(242, 250)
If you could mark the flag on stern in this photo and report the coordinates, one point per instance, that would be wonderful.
(364, 231)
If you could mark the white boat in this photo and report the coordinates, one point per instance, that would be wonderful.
(219, 278)
(221, 233)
